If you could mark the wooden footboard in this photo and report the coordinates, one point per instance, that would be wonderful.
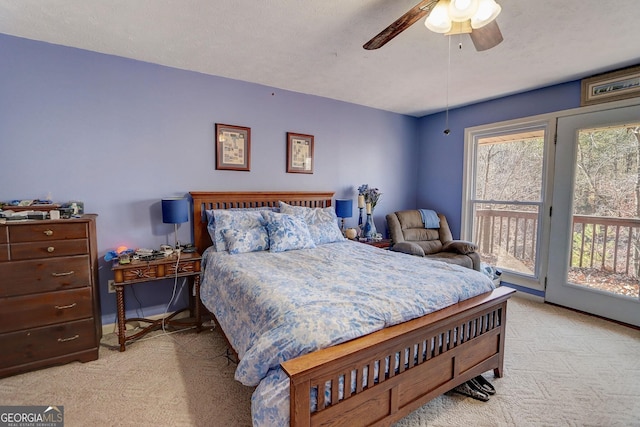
(429, 355)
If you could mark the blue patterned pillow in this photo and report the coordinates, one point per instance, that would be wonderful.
(310, 215)
(211, 220)
(211, 226)
(239, 220)
(287, 232)
(247, 240)
(325, 232)
(322, 222)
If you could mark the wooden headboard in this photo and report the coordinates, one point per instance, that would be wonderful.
(204, 200)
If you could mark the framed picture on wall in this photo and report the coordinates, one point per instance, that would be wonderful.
(621, 84)
(233, 147)
(299, 153)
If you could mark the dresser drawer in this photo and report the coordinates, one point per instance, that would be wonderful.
(38, 232)
(29, 311)
(22, 347)
(54, 248)
(4, 234)
(4, 252)
(44, 275)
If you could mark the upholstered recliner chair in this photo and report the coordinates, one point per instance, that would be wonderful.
(409, 235)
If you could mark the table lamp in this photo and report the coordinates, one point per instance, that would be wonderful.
(175, 211)
(344, 209)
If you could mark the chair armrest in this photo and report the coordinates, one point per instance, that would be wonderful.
(408, 248)
(460, 246)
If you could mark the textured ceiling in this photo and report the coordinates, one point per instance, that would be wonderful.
(315, 47)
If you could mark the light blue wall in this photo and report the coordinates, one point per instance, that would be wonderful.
(441, 156)
(120, 135)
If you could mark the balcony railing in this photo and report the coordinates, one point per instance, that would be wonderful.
(507, 235)
(605, 243)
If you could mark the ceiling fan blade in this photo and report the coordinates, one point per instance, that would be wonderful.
(486, 37)
(405, 21)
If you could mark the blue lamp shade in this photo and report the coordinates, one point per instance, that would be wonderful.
(344, 208)
(175, 210)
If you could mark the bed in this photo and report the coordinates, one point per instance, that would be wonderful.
(374, 379)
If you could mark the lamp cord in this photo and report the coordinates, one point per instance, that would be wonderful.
(173, 294)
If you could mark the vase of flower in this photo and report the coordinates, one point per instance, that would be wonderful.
(368, 196)
(369, 230)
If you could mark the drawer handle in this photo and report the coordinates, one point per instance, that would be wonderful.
(75, 337)
(51, 249)
(48, 232)
(62, 307)
(68, 273)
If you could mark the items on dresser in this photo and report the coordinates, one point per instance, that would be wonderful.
(49, 299)
(17, 210)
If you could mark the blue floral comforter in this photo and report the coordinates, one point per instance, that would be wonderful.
(277, 306)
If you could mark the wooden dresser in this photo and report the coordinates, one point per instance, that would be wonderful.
(49, 298)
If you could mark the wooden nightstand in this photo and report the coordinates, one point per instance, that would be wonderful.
(186, 265)
(383, 244)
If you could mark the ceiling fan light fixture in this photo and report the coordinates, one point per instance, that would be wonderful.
(485, 33)
(462, 10)
(488, 10)
(459, 28)
(438, 20)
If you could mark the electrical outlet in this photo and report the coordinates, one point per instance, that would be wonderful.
(111, 287)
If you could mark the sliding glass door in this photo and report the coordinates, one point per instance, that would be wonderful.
(594, 251)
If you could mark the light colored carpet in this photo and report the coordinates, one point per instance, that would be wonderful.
(561, 369)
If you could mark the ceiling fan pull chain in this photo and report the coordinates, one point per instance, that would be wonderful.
(447, 131)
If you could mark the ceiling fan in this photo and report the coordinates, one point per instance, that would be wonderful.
(475, 17)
